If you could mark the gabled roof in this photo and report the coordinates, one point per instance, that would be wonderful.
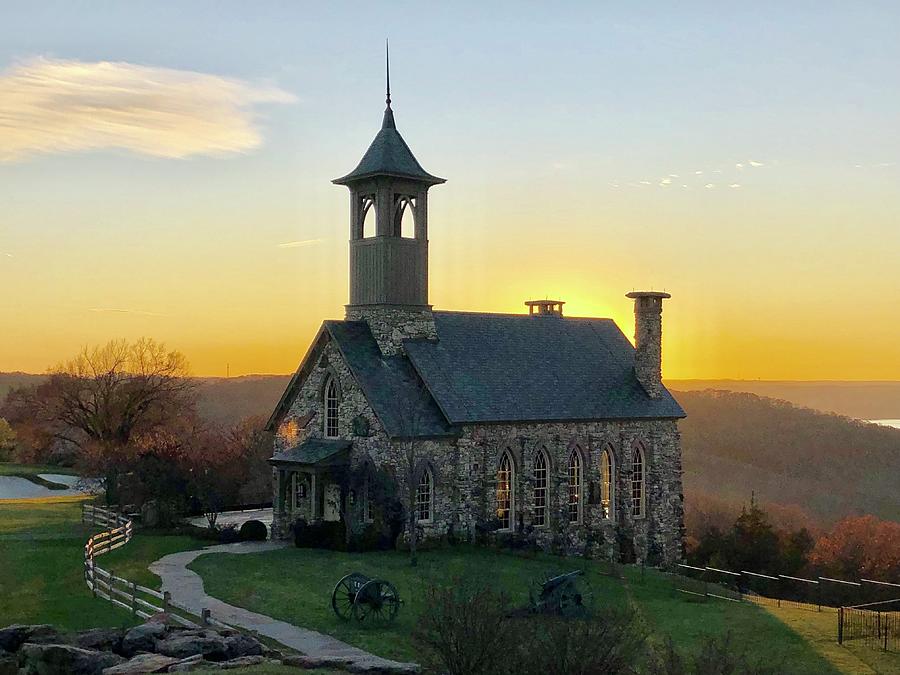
(389, 155)
(390, 384)
(515, 368)
(397, 395)
(314, 452)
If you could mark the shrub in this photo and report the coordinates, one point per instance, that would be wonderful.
(254, 530)
(610, 641)
(462, 629)
(322, 534)
(717, 656)
(229, 534)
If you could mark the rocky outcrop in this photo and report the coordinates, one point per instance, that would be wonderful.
(157, 646)
(55, 659)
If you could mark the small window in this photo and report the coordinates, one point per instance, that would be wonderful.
(424, 497)
(638, 493)
(332, 403)
(540, 488)
(368, 509)
(367, 216)
(299, 490)
(606, 484)
(575, 487)
(505, 481)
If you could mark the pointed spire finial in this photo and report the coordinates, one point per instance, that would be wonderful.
(387, 68)
(388, 122)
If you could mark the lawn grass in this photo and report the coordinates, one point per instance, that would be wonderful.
(687, 620)
(295, 585)
(15, 469)
(131, 561)
(42, 579)
(820, 628)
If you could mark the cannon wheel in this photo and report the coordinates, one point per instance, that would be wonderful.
(344, 595)
(376, 601)
(575, 599)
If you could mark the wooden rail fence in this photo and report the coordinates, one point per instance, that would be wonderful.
(139, 600)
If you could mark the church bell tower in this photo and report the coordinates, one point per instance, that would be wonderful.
(389, 266)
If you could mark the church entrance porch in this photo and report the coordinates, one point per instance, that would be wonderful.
(307, 483)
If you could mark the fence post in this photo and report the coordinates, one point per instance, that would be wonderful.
(166, 599)
(204, 617)
(133, 598)
(840, 625)
(819, 595)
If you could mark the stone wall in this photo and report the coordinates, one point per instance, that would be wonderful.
(391, 324)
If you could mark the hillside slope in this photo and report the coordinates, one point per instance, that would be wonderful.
(831, 466)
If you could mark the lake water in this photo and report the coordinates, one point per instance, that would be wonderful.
(887, 423)
(13, 487)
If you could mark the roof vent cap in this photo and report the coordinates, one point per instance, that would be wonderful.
(545, 307)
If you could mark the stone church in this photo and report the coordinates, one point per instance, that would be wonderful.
(537, 426)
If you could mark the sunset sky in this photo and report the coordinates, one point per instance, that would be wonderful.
(165, 171)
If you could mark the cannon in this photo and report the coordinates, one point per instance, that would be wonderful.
(364, 599)
(567, 595)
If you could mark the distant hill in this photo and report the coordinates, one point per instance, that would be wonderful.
(229, 400)
(828, 465)
(863, 400)
(818, 463)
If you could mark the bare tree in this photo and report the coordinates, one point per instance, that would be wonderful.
(410, 443)
(106, 398)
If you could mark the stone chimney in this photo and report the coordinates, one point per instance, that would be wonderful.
(648, 339)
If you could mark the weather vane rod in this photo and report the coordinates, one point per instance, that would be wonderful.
(387, 67)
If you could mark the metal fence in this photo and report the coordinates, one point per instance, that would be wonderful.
(866, 610)
(877, 624)
(139, 600)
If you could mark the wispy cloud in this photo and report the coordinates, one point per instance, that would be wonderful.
(7, 255)
(299, 244)
(54, 106)
(115, 310)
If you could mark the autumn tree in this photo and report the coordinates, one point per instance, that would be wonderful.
(7, 440)
(107, 400)
(860, 547)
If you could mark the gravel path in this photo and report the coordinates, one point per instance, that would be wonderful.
(187, 592)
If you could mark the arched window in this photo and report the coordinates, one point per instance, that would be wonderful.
(540, 488)
(638, 493)
(367, 217)
(575, 487)
(424, 497)
(607, 474)
(331, 409)
(405, 217)
(505, 482)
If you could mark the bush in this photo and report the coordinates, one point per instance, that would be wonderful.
(229, 534)
(462, 628)
(717, 656)
(254, 530)
(322, 534)
(469, 629)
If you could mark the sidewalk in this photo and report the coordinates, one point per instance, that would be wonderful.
(186, 588)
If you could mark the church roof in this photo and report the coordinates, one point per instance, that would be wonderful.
(400, 400)
(389, 155)
(314, 452)
(517, 368)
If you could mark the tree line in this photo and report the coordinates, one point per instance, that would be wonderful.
(125, 414)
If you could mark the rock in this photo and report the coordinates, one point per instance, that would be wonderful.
(242, 645)
(142, 638)
(142, 663)
(193, 663)
(14, 636)
(50, 659)
(9, 664)
(181, 646)
(101, 639)
(242, 662)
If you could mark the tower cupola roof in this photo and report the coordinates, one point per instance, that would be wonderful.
(388, 154)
